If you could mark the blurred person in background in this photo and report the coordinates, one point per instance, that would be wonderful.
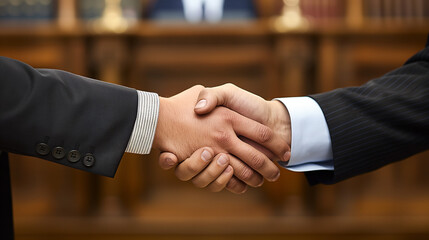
(195, 11)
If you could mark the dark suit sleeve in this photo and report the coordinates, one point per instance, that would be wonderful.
(60, 109)
(381, 122)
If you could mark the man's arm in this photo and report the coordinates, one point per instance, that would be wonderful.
(383, 121)
(64, 118)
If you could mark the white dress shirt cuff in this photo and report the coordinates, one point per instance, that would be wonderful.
(311, 148)
(145, 125)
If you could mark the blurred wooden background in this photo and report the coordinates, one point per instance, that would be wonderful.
(334, 44)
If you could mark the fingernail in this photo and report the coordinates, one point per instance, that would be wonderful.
(286, 156)
(170, 162)
(202, 103)
(228, 169)
(222, 160)
(244, 190)
(277, 177)
(206, 155)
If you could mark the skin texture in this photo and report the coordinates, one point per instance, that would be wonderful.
(269, 113)
(217, 171)
(182, 132)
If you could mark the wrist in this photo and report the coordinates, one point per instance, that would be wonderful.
(158, 141)
(279, 120)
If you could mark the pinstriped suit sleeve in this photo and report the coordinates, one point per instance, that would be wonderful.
(381, 122)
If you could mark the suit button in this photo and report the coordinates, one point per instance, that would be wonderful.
(58, 153)
(89, 160)
(42, 149)
(73, 156)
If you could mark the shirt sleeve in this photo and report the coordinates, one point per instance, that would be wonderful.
(145, 124)
(311, 148)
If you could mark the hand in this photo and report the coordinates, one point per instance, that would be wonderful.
(180, 131)
(270, 113)
(215, 177)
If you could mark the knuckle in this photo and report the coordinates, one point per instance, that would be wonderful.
(256, 161)
(264, 134)
(235, 186)
(227, 115)
(246, 174)
(218, 183)
(216, 186)
(198, 183)
(222, 137)
(229, 85)
(199, 86)
(192, 169)
(211, 174)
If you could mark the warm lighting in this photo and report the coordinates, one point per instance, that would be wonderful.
(66, 13)
(112, 18)
(291, 17)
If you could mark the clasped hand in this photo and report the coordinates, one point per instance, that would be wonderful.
(222, 137)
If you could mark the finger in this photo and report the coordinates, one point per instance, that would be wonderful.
(254, 159)
(194, 164)
(236, 186)
(209, 98)
(234, 98)
(260, 148)
(265, 151)
(245, 173)
(167, 160)
(220, 183)
(211, 172)
(261, 134)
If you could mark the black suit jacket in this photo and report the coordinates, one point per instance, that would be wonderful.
(381, 122)
(63, 118)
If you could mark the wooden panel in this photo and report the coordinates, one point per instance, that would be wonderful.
(144, 201)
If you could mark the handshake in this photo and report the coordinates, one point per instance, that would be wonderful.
(222, 137)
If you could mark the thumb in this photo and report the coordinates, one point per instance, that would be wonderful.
(167, 160)
(234, 98)
(207, 101)
(210, 98)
